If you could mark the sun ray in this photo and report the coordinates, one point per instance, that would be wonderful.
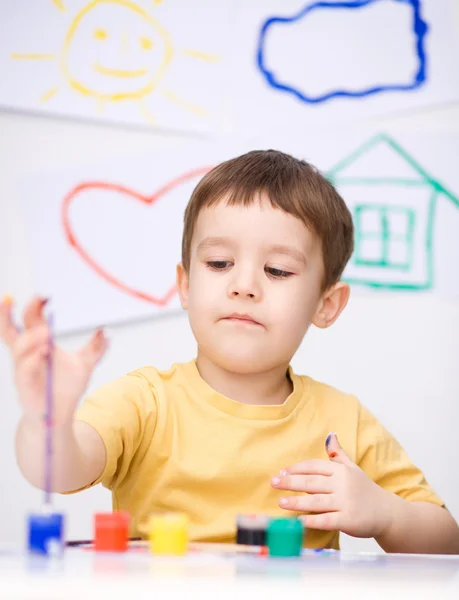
(156, 2)
(100, 105)
(49, 94)
(146, 113)
(21, 56)
(200, 55)
(173, 97)
(59, 4)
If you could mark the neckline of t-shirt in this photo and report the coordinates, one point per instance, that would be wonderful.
(239, 409)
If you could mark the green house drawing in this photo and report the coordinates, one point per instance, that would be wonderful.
(393, 203)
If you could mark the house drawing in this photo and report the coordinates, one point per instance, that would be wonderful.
(393, 202)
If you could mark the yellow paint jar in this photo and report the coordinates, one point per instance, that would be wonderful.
(169, 534)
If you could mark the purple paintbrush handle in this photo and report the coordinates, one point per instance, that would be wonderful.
(49, 413)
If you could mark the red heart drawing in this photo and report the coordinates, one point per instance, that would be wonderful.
(77, 246)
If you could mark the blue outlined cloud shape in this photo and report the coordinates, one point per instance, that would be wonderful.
(274, 80)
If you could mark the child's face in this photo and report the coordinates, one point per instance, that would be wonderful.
(253, 287)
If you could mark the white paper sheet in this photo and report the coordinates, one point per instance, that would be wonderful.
(128, 62)
(310, 63)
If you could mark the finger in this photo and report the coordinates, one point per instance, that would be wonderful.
(335, 451)
(312, 467)
(329, 521)
(312, 484)
(33, 313)
(8, 329)
(29, 340)
(310, 503)
(94, 349)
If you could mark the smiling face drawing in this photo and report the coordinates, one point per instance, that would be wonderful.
(114, 50)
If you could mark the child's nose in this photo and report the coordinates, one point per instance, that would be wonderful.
(248, 294)
(245, 285)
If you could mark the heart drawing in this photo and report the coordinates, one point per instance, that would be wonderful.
(130, 194)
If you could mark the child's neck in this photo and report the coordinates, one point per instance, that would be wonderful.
(265, 388)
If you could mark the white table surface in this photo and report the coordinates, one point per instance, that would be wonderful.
(85, 575)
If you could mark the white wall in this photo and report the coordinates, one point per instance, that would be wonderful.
(398, 354)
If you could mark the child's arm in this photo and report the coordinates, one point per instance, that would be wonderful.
(78, 457)
(79, 453)
(418, 528)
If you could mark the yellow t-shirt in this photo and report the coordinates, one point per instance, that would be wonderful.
(175, 444)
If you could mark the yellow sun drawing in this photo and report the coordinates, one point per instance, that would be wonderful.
(114, 51)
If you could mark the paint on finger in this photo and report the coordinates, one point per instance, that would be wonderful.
(328, 440)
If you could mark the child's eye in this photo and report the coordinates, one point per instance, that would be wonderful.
(218, 265)
(277, 273)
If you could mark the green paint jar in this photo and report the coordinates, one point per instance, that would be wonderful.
(285, 537)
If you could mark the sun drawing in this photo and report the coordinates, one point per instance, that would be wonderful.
(115, 51)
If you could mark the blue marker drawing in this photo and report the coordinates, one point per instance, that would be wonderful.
(420, 29)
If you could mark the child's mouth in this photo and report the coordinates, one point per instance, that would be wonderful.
(242, 319)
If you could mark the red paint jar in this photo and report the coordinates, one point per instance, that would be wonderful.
(111, 531)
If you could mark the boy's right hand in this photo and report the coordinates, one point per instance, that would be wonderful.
(30, 349)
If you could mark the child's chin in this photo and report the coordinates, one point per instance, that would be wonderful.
(242, 362)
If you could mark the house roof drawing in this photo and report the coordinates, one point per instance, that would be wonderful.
(382, 160)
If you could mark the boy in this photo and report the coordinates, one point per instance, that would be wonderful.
(266, 239)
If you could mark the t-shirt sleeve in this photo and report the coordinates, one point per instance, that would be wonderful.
(383, 459)
(122, 412)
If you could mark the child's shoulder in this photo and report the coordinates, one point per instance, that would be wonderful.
(143, 388)
(332, 409)
(327, 397)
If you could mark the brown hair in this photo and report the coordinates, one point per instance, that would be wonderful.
(291, 185)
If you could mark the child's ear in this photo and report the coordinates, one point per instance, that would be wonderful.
(183, 285)
(331, 305)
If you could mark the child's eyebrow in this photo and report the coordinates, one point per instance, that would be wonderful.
(209, 242)
(289, 251)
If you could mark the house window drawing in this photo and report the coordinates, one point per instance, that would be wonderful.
(391, 242)
(393, 202)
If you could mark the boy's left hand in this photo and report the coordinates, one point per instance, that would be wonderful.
(341, 496)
